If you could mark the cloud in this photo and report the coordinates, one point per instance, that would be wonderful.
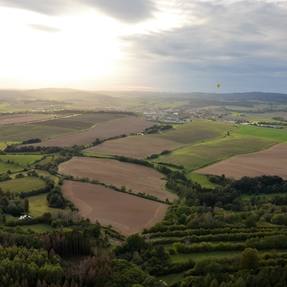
(44, 28)
(239, 38)
(124, 10)
(49, 7)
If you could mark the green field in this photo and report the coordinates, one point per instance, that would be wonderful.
(81, 121)
(5, 167)
(38, 205)
(23, 160)
(4, 144)
(197, 131)
(215, 145)
(22, 184)
(279, 135)
(180, 258)
(45, 173)
(25, 132)
(201, 179)
(37, 228)
(196, 156)
(172, 278)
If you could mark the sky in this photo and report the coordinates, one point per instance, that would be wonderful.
(157, 45)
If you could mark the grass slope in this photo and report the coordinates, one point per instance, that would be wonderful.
(279, 135)
(20, 159)
(202, 180)
(196, 156)
(22, 184)
(197, 131)
(25, 132)
(4, 167)
(38, 205)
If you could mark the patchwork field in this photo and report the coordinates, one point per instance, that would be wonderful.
(202, 180)
(38, 205)
(82, 121)
(135, 146)
(19, 127)
(22, 184)
(5, 167)
(126, 213)
(13, 119)
(112, 128)
(197, 131)
(28, 131)
(272, 161)
(3, 145)
(143, 146)
(20, 159)
(200, 155)
(279, 135)
(135, 177)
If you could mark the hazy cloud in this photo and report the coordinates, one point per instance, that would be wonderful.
(191, 44)
(41, 6)
(238, 38)
(44, 28)
(125, 10)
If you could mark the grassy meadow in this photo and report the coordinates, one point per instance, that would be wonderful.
(193, 157)
(235, 141)
(24, 184)
(38, 205)
(201, 179)
(197, 131)
(21, 159)
(5, 167)
(278, 135)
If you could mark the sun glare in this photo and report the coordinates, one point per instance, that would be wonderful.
(80, 47)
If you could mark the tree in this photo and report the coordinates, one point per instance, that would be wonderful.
(214, 283)
(251, 221)
(249, 259)
(240, 282)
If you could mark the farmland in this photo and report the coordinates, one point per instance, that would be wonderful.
(82, 121)
(147, 145)
(13, 119)
(112, 128)
(19, 127)
(197, 131)
(278, 135)
(21, 159)
(134, 146)
(5, 167)
(195, 156)
(202, 180)
(151, 201)
(38, 205)
(120, 174)
(3, 145)
(272, 161)
(28, 131)
(126, 213)
(24, 184)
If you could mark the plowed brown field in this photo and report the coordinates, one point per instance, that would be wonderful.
(272, 161)
(135, 146)
(126, 213)
(117, 127)
(23, 118)
(135, 177)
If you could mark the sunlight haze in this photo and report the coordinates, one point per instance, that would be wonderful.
(152, 45)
